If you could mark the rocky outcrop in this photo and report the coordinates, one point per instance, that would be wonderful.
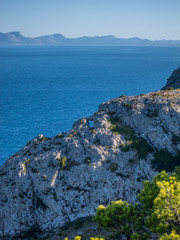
(173, 81)
(105, 157)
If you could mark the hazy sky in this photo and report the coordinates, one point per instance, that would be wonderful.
(152, 19)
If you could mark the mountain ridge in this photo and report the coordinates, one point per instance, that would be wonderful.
(16, 38)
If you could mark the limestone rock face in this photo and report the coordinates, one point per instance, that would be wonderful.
(173, 81)
(52, 181)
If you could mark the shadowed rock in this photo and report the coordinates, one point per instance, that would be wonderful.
(173, 81)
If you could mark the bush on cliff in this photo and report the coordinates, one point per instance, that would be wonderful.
(158, 211)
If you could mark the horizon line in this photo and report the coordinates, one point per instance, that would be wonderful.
(108, 35)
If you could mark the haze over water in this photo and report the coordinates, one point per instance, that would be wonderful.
(45, 89)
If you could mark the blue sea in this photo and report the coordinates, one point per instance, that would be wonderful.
(43, 90)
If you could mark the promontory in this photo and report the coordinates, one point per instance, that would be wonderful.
(105, 157)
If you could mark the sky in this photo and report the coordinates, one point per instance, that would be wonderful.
(151, 19)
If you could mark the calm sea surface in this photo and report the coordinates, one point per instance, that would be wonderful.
(45, 89)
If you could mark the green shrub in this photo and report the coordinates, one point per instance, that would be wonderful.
(44, 177)
(142, 147)
(87, 161)
(28, 161)
(121, 217)
(156, 94)
(158, 209)
(111, 113)
(93, 131)
(34, 170)
(124, 147)
(120, 128)
(160, 199)
(128, 105)
(137, 236)
(59, 135)
(131, 161)
(150, 191)
(77, 238)
(113, 167)
(132, 142)
(63, 163)
(165, 160)
(70, 135)
(172, 236)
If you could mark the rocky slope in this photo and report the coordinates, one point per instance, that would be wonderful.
(105, 157)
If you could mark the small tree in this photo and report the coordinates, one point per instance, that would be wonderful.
(122, 218)
(159, 210)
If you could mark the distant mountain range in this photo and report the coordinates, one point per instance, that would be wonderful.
(15, 38)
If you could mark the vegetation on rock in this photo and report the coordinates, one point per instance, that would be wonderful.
(158, 211)
(165, 160)
(63, 163)
(132, 142)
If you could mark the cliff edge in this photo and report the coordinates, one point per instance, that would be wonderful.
(173, 81)
(105, 157)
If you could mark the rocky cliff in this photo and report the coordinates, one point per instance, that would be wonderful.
(105, 157)
(173, 81)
